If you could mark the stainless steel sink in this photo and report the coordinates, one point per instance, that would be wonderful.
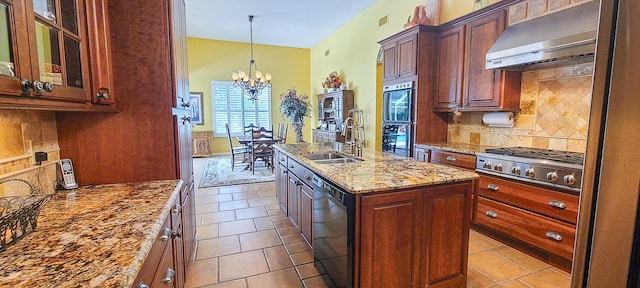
(331, 158)
(338, 160)
(325, 156)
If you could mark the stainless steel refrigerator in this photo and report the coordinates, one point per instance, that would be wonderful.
(607, 222)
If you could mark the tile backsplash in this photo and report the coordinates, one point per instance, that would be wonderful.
(22, 133)
(554, 114)
(530, 9)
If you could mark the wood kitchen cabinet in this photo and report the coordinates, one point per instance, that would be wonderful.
(399, 55)
(295, 195)
(163, 265)
(450, 66)
(463, 81)
(537, 220)
(412, 55)
(59, 56)
(150, 137)
(416, 238)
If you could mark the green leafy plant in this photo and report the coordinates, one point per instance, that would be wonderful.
(295, 107)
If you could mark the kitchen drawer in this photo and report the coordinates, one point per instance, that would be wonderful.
(528, 227)
(454, 159)
(301, 172)
(282, 159)
(551, 203)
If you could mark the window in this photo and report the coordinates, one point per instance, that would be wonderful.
(231, 106)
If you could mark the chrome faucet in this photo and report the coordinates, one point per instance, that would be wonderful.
(355, 139)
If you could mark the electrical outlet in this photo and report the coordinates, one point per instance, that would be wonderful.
(41, 157)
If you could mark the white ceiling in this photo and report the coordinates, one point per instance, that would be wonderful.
(291, 23)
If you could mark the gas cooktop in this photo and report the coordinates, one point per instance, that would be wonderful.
(553, 168)
(544, 154)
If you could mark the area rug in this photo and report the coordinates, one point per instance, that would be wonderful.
(217, 172)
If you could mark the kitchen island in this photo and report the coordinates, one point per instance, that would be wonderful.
(410, 219)
(93, 236)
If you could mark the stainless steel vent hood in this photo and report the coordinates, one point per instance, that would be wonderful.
(557, 36)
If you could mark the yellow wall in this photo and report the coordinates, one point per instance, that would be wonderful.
(452, 9)
(353, 49)
(216, 60)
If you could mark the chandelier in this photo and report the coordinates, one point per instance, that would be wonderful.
(251, 87)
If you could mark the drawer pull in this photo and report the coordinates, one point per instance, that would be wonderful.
(492, 214)
(451, 158)
(176, 208)
(554, 236)
(142, 285)
(557, 204)
(307, 177)
(166, 234)
(169, 276)
(493, 187)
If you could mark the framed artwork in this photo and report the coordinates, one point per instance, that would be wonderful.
(197, 111)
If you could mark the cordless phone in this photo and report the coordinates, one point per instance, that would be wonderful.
(68, 180)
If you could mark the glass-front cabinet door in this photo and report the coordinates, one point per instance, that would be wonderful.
(14, 63)
(58, 55)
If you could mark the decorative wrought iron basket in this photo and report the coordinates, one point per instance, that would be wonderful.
(19, 214)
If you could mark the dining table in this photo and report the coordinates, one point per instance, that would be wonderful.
(246, 141)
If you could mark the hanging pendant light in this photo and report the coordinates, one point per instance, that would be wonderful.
(252, 87)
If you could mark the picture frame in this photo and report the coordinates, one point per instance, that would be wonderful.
(197, 109)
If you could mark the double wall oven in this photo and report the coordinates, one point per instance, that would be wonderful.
(397, 118)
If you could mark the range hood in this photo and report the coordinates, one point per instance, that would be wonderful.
(566, 34)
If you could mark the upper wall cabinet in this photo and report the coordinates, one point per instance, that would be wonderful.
(399, 53)
(463, 81)
(54, 54)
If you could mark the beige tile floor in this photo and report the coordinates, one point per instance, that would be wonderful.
(244, 241)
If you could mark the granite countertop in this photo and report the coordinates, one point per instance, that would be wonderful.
(93, 236)
(463, 148)
(378, 172)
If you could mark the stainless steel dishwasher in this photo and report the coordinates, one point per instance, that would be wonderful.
(333, 233)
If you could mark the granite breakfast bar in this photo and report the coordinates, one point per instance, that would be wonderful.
(93, 236)
(411, 218)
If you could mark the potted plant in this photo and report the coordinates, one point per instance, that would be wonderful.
(295, 107)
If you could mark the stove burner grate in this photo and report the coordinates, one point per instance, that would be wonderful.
(543, 154)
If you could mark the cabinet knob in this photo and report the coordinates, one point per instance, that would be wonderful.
(26, 85)
(102, 95)
(169, 276)
(291, 166)
(177, 234)
(166, 233)
(493, 187)
(307, 177)
(451, 158)
(48, 86)
(554, 236)
(142, 285)
(39, 86)
(186, 119)
(185, 104)
(492, 214)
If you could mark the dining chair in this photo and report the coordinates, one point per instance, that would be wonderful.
(282, 132)
(261, 148)
(235, 151)
(250, 128)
